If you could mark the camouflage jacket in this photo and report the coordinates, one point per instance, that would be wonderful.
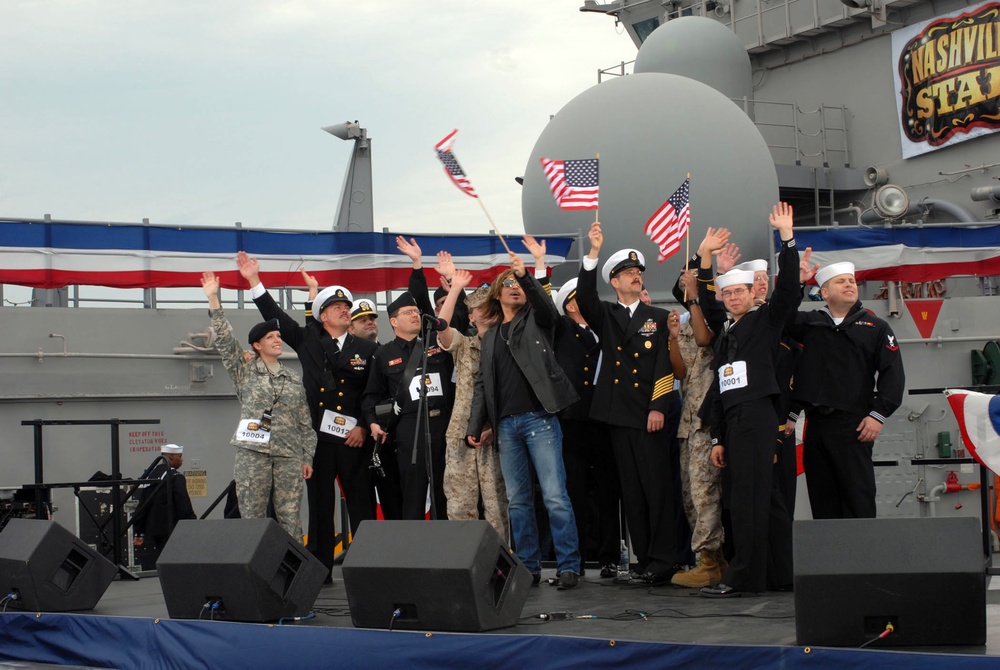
(258, 391)
(697, 380)
(465, 350)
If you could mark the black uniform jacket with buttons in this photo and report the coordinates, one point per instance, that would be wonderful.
(332, 382)
(387, 374)
(636, 376)
(577, 352)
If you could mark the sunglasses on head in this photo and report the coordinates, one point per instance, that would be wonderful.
(509, 282)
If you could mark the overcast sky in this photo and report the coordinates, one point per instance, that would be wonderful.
(209, 112)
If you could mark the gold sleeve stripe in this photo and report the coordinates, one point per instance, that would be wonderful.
(309, 312)
(663, 386)
(709, 282)
(782, 427)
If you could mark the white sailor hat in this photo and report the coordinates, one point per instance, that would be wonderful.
(565, 294)
(330, 295)
(827, 273)
(621, 260)
(757, 265)
(171, 449)
(733, 277)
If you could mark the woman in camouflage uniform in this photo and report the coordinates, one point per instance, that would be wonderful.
(274, 439)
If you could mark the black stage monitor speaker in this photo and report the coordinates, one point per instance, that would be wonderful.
(926, 577)
(237, 570)
(50, 569)
(439, 575)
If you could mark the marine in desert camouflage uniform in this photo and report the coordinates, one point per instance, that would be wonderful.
(470, 472)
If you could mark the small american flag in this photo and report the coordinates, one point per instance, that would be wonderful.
(451, 166)
(670, 223)
(573, 183)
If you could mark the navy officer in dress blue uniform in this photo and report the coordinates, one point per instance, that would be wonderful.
(633, 395)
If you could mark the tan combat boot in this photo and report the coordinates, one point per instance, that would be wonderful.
(707, 573)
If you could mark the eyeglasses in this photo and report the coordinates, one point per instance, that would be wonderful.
(509, 282)
(631, 272)
(733, 292)
(410, 311)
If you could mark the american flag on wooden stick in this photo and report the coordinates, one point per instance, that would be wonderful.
(451, 166)
(573, 182)
(670, 223)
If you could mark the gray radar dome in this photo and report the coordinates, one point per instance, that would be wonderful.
(651, 130)
(701, 49)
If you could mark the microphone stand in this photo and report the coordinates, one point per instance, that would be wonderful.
(423, 417)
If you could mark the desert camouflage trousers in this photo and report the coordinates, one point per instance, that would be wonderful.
(702, 491)
(256, 475)
(471, 473)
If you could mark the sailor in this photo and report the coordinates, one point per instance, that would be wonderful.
(335, 368)
(745, 421)
(849, 379)
(587, 450)
(364, 321)
(635, 388)
(396, 377)
(153, 518)
(274, 439)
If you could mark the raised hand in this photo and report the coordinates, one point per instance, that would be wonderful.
(409, 249)
(445, 266)
(461, 279)
(249, 267)
(727, 257)
(210, 283)
(311, 283)
(532, 245)
(596, 238)
(781, 217)
(517, 264)
(715, 239)
(805, 272)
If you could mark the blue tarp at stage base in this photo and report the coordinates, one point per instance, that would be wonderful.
(127, 642)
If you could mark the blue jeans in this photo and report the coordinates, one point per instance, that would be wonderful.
(535, 438)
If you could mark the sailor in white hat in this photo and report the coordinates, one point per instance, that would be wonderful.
(849, 379)
(744, 426)
(761, 284)
(153, 520)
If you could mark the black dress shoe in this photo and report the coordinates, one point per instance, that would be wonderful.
(627, 577)
(724, 591)
(609, 570)
(650, 579)
(536, 578)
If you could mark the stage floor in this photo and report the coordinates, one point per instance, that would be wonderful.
(596, 609)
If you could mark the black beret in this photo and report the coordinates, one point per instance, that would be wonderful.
(262, 329)
(405, 300)
(440, 293)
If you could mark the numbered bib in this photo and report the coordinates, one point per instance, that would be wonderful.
(433, 383)
(733, 376)
(337, 424)
(249, 430)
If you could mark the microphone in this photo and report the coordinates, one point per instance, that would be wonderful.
(436, 323)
